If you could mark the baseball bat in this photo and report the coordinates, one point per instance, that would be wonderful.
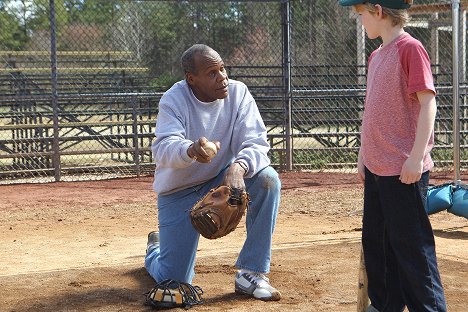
(362, 295)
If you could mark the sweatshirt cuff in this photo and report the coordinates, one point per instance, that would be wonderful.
(183, 152)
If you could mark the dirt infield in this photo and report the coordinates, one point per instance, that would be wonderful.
(79, 246)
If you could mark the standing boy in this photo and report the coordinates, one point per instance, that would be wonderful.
(394, 163)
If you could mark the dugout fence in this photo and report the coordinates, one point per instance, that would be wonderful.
(80, 81)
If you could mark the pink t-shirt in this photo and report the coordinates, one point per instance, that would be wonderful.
(395, 73)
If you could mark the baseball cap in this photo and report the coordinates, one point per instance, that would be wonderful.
(391, 4)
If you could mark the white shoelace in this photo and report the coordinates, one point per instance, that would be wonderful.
(260, 279)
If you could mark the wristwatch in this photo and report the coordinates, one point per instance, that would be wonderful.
(243, 165)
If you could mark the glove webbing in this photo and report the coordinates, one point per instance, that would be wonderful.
(235, 198)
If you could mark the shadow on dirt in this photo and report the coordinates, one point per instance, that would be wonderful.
(95, 296)
(227, 298)
(452, 233)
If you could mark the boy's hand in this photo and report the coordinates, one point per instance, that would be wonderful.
(360, 168)
(411, 171)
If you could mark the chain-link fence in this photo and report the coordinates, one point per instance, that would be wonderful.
(80, 81)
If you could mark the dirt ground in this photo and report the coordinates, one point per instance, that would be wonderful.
(79, 246)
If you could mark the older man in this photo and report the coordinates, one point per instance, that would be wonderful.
(209, 106)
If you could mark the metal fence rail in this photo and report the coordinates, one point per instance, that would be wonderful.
(80, 82)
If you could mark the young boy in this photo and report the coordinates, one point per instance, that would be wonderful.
(394, 164)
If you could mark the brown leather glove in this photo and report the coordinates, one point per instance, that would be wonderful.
(219, 212)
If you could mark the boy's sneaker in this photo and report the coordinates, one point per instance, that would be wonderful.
(256, 285)
(153, 240)
(371, 308)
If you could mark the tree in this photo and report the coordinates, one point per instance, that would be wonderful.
(12, 35)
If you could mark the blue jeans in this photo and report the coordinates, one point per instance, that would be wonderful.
(399, 247)
(175, 256)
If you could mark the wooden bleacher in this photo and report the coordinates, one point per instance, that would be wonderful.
(26, 111)
(29, 72)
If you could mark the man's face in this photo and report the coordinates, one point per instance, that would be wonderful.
(210, 83)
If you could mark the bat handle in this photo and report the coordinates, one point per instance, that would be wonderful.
(362, 297)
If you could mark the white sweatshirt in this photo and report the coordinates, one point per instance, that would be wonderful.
(233, 121)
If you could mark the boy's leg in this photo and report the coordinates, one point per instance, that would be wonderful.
(383, 282)
(264, 190)
(411, 239)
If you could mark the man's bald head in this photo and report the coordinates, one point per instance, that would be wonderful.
(189, 57)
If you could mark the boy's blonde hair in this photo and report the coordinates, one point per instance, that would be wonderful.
(397, 17)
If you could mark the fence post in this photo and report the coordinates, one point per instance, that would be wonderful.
(463, 74)
(456, 89)
(361, 52)
(54, 94)
(286, 26)
(462, 42)
(136, 152)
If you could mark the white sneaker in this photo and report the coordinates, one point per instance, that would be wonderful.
(256, 285)
(153, 240)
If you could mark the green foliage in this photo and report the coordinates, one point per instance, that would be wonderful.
(315, 41)
(156, 32)
(447, 153)
(23, 21)
(12, 35)
(316, 159)
(163, 82)
(92, 11)
(172, 27)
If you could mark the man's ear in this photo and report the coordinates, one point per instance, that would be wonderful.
(189, 77)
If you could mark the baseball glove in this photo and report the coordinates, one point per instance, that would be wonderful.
(219, 212)
(172, 294)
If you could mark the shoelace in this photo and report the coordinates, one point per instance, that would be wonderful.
(258, 278)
